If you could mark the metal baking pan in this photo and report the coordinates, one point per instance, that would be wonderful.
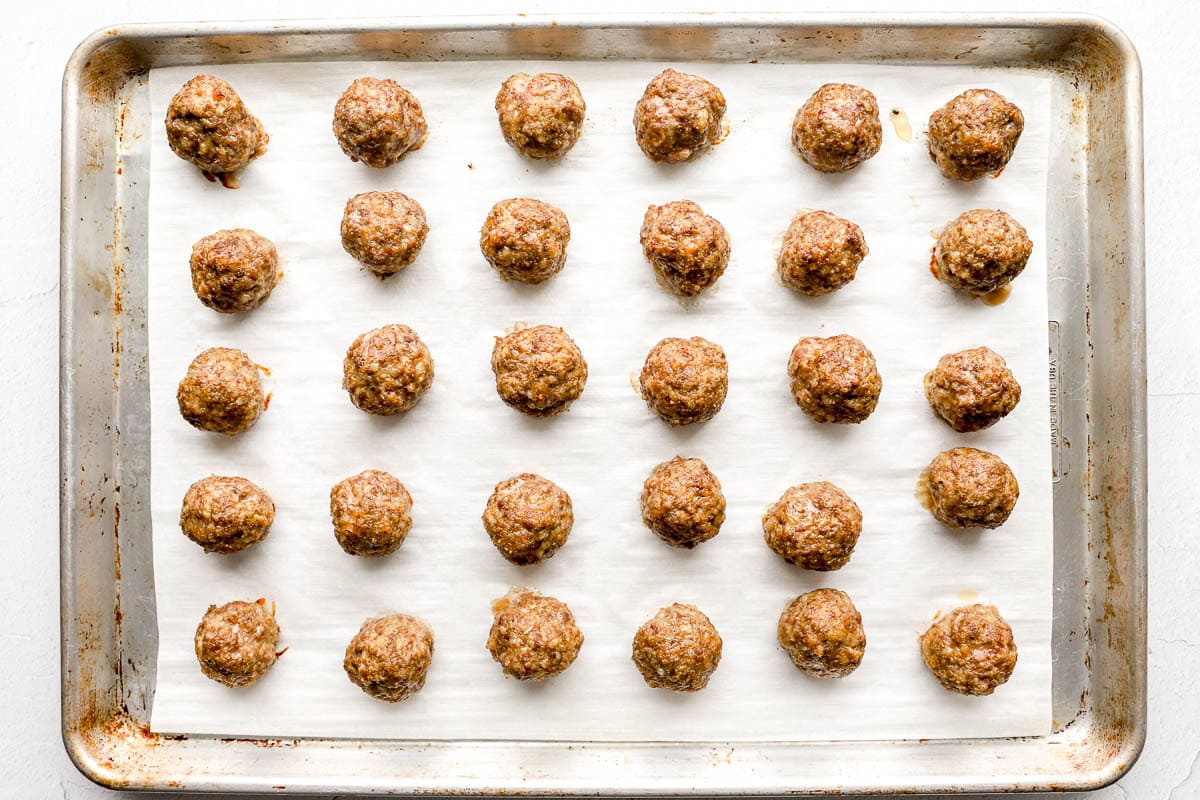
(1098, 404)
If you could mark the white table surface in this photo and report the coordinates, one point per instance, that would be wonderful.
(34, 45)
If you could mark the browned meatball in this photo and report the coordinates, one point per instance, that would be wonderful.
(384, 231)
(210, 126)
(235, 643)
(814, 526)
(685, 380)
(234, 270)
(372, 513)
(974, 134)
(226, 514)
(837, 128)
(682, 502)
(389, 657)
(533, 637)
(972, 389)
(541, 115)
(525, 240)
(688, 249)
(970, 650)
(969, 488)
(981, 251)
(834, 379)
(222, 391)
(378, 121)
(387, 370)
(539, 371)
(821, 253)
(678, 116)
(822, 633)
(528, 518)
(677, 649)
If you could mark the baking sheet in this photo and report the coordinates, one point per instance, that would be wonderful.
(460, 440)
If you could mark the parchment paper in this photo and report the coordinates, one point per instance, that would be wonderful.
(461, 440)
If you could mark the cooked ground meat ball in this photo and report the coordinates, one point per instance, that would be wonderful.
(685, 380)
(822, 633)
(235, 643)
(981, 251)
(539, 371)
(821, 253)
(688, 249)
(682, 502)
(678, 116)
(814, 526)
(969, 488)
(387, 370)
(234, 270)
(372, 513)
(834, 379)
(525, 240)
(226, 514)
(528, 518)
(974, 134)
(210, 126)
(677, 649)
(389, 657)
(837, 128)
(378, 121)
(541, 115)
(972, 389)
(384, 231)
(222, 391)
(533, 637)
(970, 650)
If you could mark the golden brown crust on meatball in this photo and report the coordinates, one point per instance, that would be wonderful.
(383, 231)
(682, 502)
(970, 650)
(234, 270)
(235, 643)
(969, 488)
(834, 379)
(528, 518)
(221, 392)
(974, 134)
(981, 251)
(822, 633)
(533, 637)
(226, 514)
(814, 526)
(378, 121)
(539, 371)
(387, 370)
(210, 126)
(685, 380)
(678, 116)
(688, 249)
(972, 389)
(541, 115)
(837, 128)
(389, 657)
(677, 649)
(525, 239)
(821, 253)
(371, 512)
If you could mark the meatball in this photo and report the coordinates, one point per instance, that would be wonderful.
(970, 650)
(685, 380)
(525, 240)
(968, 488)
(539, 371)
(389, 657)
(210, 126)
(226, 514)
(384, 231)
(541, 115)
(981, 251)
(682, 502)
(677, 649)
(528, 518)
(678, 116)
(222, 391)
(234, 270)
(377, 121)
(814, 526)
(372, 513)
(821, 253)
(387, 370)
(974, 134)
(972, 389)
(235, 643)
(834, 379)
(822, 633)
(533, 637)
(688, 249)
(837, 128)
